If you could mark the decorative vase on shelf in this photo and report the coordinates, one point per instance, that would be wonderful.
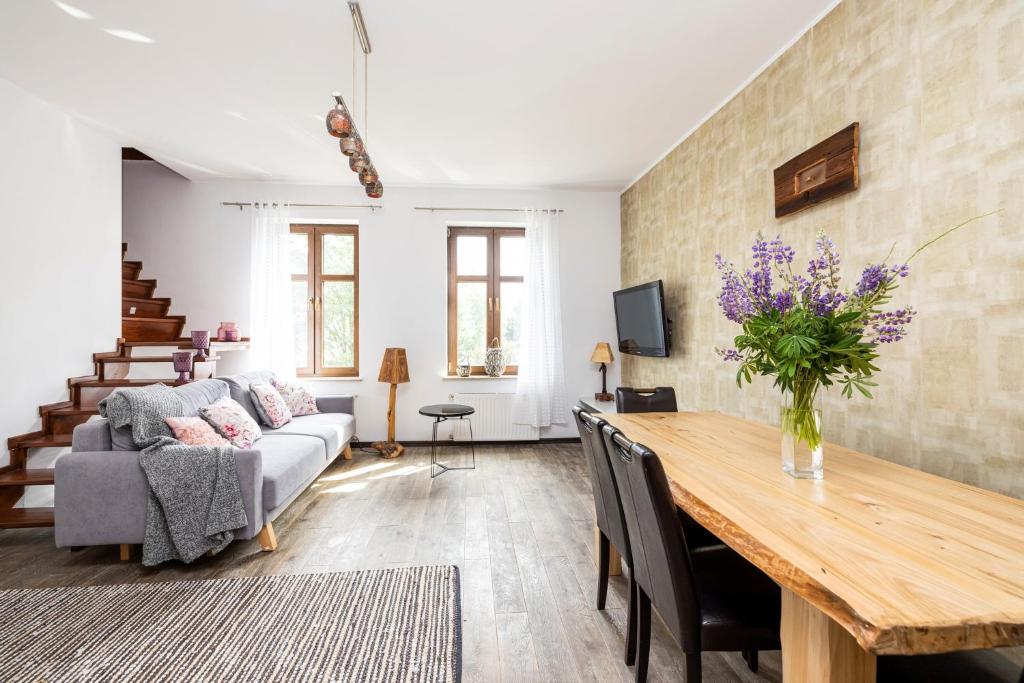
(182, 365)
(463, 368)
(227, 331)
(802, 452)
(494, 359)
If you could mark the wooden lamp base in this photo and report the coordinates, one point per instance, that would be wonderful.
(604, 396)
(388, 449)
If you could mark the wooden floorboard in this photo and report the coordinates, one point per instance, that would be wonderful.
(518, 527)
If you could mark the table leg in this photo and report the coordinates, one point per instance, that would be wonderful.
(614, 559)
(817, 649)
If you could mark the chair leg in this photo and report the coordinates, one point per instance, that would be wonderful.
(604, 554)
(693, 672)
(631, 622)
(751, 658)
(643, 635)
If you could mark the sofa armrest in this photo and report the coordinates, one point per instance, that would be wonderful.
(100, 497)
(93, 435)
(336, 404)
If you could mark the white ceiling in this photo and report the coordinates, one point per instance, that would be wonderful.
(529, 93)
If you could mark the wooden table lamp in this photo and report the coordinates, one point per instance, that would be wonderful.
(603, 355)
(394, 370)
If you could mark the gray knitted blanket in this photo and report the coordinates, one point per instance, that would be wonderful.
(194, 498)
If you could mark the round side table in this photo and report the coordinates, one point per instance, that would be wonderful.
(442, 412)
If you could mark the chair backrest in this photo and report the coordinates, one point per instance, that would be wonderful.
(661, 557)
(657, 400)
(610, 519)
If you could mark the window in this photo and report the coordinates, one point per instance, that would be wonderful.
(485, 294)
(325, 296)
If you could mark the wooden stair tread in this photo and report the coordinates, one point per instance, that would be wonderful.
(148, 359)
(20, 518)
(73, 410)
(32, 477)
(54, 441)
(126, 382)
(143, 319)
(139, 282)
(150, 300)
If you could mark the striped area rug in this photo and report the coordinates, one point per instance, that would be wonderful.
(382, 625)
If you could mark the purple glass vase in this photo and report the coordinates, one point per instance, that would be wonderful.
(227, 331)
(182, 364)
(201, 342)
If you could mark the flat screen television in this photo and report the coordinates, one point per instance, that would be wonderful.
(640, 320)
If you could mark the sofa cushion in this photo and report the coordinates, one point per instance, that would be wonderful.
(299, 399)
(289, 461)
(196, 395)
(232, 422)
(195, 431)
(269, 404)
(335, 429)
(238, 386)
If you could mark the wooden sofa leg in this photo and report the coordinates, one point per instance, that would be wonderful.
(267, 538)
(126, 552)
(347, 452)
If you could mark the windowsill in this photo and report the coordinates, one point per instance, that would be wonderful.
(330, 379)
(456, 377)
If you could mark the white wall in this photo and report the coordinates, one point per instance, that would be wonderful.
(198, 251)
(60, 274)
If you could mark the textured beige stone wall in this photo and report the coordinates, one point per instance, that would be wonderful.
(938, 88)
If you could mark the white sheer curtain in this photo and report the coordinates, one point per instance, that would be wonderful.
(540, 399)
(273, 341)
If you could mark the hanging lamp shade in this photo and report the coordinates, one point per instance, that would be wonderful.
(339, 124)
(358, 162)
(352, 145)
(375, 190)
(368, 176)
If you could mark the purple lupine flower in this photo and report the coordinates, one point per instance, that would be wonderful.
(821, 294)
(871, 279)
(734, 299)
(782, 253)
(729, 355)
(889, 327)
(783, 301)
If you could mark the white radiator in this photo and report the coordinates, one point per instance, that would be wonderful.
(492, 420)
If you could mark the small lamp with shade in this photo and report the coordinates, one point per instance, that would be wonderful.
(603, 354)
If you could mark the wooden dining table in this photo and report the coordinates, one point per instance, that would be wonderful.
(873, 559)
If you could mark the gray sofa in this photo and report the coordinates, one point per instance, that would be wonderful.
(100, 490)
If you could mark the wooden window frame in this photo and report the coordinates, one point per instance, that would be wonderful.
(494, 278)
(315, 279)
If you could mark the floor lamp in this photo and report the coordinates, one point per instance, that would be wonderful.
(394, 370)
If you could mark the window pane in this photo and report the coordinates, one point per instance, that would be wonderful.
(339, 254)
(298, 253)
(513, 255)
(511, 320)
(471, 255)
(339, 321)
(300, 314)
(471, 312)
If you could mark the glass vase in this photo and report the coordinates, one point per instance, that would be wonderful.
(802, 453)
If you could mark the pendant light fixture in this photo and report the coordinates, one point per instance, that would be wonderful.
(340, 121)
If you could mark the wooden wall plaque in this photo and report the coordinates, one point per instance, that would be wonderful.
(826, 170)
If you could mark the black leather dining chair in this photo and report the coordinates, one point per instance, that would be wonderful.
(608, 514)
(710, 598)
(657, 400)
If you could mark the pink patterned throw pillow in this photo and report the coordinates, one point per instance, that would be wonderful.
(269, 404)
(298, 398)
(194, 431)
(231, 421)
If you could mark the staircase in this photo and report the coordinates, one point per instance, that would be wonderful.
(145, 326)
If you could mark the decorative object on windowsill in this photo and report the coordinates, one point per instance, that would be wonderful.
(394, 369)
(826, 170)
(494, 359)
(228, 332)
(201, 343)
(182, 365)
(463, 368)
(341, 122)
(603, 354)
(809, 334)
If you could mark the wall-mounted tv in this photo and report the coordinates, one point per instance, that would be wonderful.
(640, 319)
